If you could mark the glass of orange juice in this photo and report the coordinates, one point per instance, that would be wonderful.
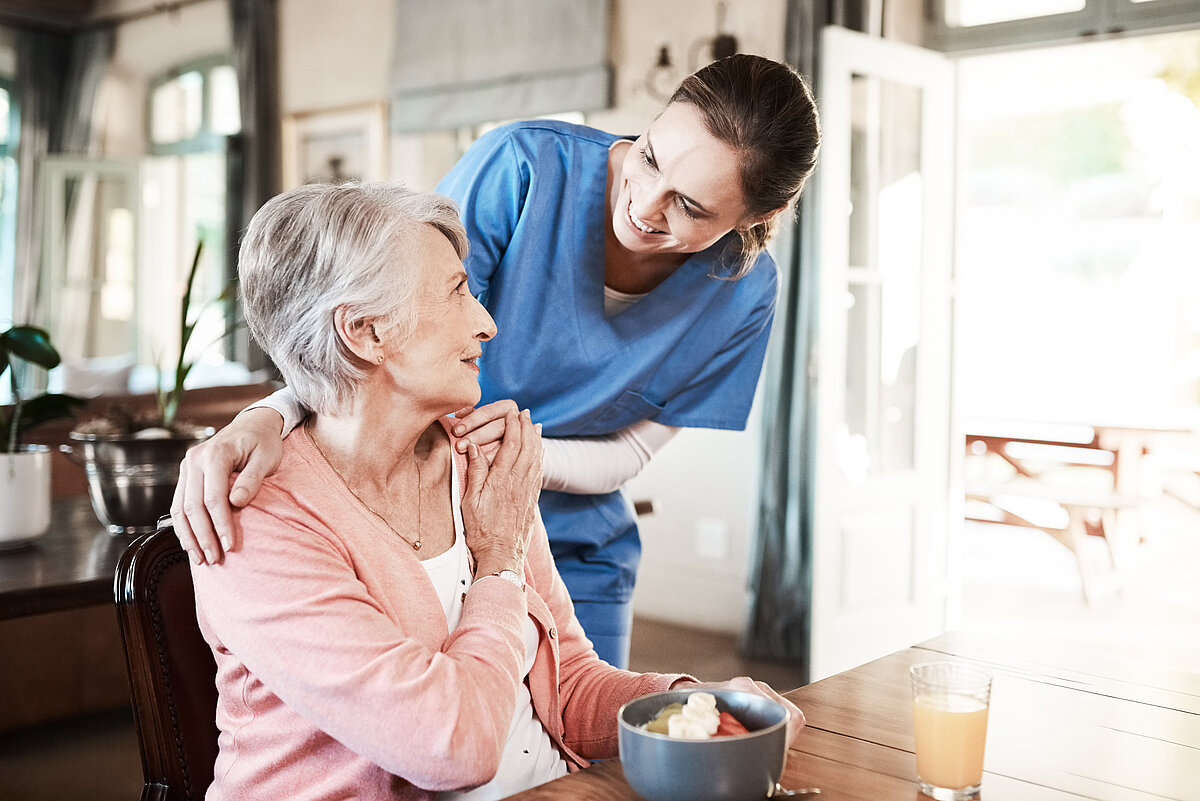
(950, 712)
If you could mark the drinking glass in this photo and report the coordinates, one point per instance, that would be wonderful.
(950, 712)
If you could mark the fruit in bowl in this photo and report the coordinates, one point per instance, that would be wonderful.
(696, 719)
(735, 767)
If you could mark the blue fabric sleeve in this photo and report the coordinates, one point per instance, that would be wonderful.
(722, 392)
(490, 185)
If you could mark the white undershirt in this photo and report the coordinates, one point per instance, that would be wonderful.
(616, 302)
(595, 465)
(529, 758)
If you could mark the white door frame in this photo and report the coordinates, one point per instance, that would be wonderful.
(887, 533)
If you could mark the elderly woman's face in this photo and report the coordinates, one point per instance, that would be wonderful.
(439, 361)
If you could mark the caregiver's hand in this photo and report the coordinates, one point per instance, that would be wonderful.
(746, 684)
(201, 509)
(483, 426)
(499, 505)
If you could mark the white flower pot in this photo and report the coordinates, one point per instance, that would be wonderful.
(24, 495)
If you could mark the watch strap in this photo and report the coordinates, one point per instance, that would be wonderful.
(510, 577)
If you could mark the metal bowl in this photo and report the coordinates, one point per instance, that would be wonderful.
(743, 767)
(131, 479)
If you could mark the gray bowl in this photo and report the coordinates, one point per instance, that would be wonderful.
(743, 767)
(131, 480)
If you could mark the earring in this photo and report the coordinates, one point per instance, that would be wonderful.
(379, 360)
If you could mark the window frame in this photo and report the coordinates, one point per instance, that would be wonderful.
(206, 140)
(8, 222)
(1097, 19)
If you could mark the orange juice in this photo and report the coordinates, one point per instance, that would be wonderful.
(950, 734)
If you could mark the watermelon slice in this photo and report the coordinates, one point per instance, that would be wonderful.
(729, 725)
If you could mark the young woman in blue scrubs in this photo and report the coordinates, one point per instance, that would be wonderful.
(633, 297)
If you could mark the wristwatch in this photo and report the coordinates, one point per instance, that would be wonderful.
(511, 578)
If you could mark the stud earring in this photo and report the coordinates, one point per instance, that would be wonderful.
(379, 360)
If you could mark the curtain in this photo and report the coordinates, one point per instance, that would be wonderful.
(463, 62)
(253, 167)
(779, 624)
(58, 79)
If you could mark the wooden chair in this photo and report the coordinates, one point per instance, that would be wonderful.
(171, 669)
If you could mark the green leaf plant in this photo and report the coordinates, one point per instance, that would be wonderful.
(169, 397)
(123, 419)
(29, 344)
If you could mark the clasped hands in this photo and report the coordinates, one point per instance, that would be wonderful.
(228, 470)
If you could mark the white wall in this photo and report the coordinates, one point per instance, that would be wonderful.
(640, 28)
(333, 54)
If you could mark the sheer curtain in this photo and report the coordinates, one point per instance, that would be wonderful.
(58, 78)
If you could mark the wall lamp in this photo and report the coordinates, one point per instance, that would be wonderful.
(663, 77)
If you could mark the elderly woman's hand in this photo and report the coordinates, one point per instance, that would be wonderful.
(483, 426)
(746, 684)
(500, 502)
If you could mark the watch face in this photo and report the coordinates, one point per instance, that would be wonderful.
(509, 575)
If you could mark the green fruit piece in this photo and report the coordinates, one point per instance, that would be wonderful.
(659, 724)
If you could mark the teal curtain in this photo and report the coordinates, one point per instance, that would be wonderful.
(780, 622)
(255, 57)
(252, 164)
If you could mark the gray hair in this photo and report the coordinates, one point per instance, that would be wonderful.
(314, 249)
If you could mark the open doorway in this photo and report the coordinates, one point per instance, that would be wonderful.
(1078, 310)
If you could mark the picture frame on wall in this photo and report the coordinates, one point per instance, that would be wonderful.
(335, 145)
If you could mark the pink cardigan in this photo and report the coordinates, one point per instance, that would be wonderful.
(336, 673)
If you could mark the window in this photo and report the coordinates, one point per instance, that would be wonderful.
(1077, 223)
(8, 207)
(191, 112)
(8, 194)
(969, 13)
(963, 25)
(193, 108)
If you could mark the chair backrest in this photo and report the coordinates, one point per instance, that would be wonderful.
(171, 669)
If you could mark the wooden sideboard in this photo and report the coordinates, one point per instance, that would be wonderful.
(62, 651)
(62, 654)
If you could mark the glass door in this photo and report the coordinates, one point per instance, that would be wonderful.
(883, 377)
(89, 269)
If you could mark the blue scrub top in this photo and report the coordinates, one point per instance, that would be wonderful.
(533, 199)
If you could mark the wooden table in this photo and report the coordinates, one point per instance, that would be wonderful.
(70, 567)
(1064, 726)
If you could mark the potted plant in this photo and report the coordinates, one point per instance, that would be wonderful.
(132, 458)
(25, 469)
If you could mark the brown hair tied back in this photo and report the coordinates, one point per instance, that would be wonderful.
(765, 111)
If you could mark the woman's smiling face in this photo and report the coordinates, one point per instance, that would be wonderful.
(680, 187)
(438, 362)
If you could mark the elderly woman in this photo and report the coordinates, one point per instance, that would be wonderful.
(395, 627)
